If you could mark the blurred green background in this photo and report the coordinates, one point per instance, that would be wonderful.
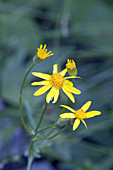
(75, 29)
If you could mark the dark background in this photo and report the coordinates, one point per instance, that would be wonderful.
(75, 29)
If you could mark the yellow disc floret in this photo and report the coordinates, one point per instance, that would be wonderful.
(57, 80)
(80, 114)
(70, 64)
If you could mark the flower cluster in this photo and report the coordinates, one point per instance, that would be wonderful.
(58, 80)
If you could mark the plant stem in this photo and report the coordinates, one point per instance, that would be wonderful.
(20, 99)
(42, 115)
(47, 127)
(30, 160)
(60, 131)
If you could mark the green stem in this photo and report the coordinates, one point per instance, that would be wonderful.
(20, 99)
(47, 127)
(30, 160)
(42, 115)
(47, 138)
(58, 132)
(51, 131)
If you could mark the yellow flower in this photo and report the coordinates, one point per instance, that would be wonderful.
(42, 52)
(80, 114)
(70, 64)
(71, 67)
(55, 81)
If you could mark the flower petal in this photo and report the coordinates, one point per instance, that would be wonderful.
(69, 94)
(50, 95)
(42, 75)
(69, 82)
(67, 107)
(56, 95)
(70, 77)
(54, 68)
(40, 83)
(71, 89)
(76, 124)
(42, 90)
(92, 114)
(63, 72)
(86, 106)
(44, 47)
(41, 46)
(68, 115)
(84, 123)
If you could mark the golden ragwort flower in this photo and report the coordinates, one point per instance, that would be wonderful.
(42, 52)
(80, 114)
(55, 81)
(71, 67)
(70, 64)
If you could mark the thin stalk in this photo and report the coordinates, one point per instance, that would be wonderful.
(51, 131)
(42, 115)
(58, 132)
(20, 99)
(47, 127)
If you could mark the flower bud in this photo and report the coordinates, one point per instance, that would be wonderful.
(71, 68)
(63, 121)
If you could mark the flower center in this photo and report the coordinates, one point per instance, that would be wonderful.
(42, 54)
(80, 114)
(57, 80)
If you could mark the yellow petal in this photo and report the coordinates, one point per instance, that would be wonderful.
(70, 77)
(44, 47)
(69, 94)
(84, 123)
(71, 89)
(50, 95)
(67, 107)
(40, 83)
(68, 115)
(54, 68)
(69, 82)
(42, 90)
(92, 114)
(49, 52)
(63, 72)
(56, 95)
(41, 46)
(86, 106)
(42, 75)
(76, 124)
